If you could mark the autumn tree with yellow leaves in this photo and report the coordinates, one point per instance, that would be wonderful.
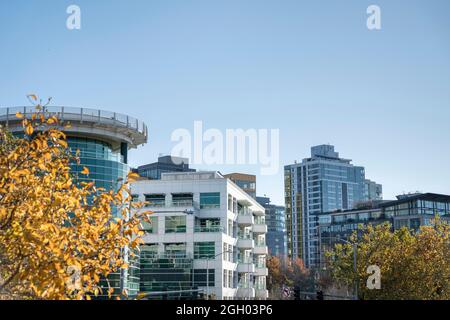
(414, 265)
(52, 228)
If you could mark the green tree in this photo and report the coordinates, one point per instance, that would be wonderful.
(413, 264)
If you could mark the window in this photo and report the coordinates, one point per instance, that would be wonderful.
(414, 224)
(200, 276)
(149, 249)
(204, 250)
(230, 279)
(225, 252)
(209, 200)
(182, 199)
(208, 225)
(225, 278)
(151, 226)
(175, 249)
(176, 224)
(155, 200)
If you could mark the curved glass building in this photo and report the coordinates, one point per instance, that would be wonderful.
(103, 139)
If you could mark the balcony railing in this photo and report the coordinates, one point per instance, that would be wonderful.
(180, 229)
(260, 286)
(260, 220)
(174, 203)
(245, 236)
(245, 285)
(245, 260)
(208, 229)
(155, 203)
(182, 203)
(245, 212)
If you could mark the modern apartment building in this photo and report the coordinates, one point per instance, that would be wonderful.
(372, 190)
(103, 139)
(154, 170)
(206, 234)
(276, 238)
(411, 211)
(246, 182)
(321, 183)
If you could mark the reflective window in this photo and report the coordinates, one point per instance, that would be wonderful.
(210, 200)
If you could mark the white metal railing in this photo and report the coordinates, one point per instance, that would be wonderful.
(245, 236)
(245, 285)
(208, 229)
(260, 220)
(174, 203)
(75, 113)
(182, 203)
(260, 286)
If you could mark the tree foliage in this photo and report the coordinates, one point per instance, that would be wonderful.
(413, 265)
(285, 272)
(57, 237)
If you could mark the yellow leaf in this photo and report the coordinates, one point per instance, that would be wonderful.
(63, 143)
(29, 130)
(132, 176)
(52, 120)
(141, 295)
(85, 171)
(33, 96)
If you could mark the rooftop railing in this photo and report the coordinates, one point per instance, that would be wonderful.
(78, 114)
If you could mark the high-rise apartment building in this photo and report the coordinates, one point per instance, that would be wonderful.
(246, 182)
(154, 170)
(276, 238)
(372, 190)
(205, 234)
(103, 139)
(321, 183)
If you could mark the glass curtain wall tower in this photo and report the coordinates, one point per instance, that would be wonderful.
(322, 183)
(103, 139)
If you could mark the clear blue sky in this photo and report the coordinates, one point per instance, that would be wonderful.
(310, 68)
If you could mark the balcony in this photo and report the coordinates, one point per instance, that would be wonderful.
(245, 243)
(245, 219)
(260, 249)
(259, 228)
(261, 294)
(245, 267)
(261, 272)
(245, 291)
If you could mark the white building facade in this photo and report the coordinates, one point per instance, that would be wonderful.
(211, 233)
